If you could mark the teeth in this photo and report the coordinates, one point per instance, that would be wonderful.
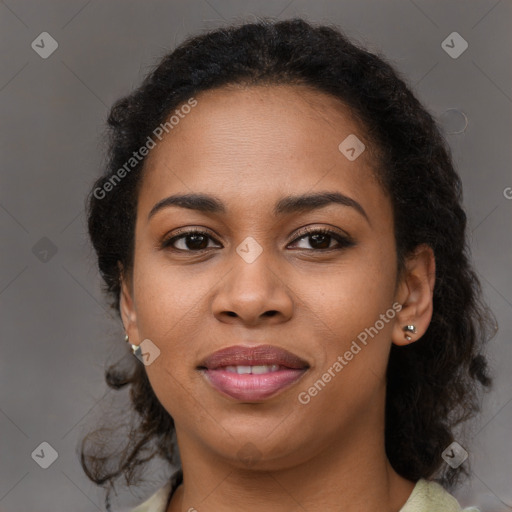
(259, 369)
(264, 368)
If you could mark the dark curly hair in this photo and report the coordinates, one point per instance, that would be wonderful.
(434, 384)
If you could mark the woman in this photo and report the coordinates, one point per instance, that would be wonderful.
(280, 229)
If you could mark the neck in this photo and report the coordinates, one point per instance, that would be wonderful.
(352, 476)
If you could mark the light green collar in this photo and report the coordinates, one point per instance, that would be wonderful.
(431, 497)
(426, 497)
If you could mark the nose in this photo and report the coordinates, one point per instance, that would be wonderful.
(253, 292)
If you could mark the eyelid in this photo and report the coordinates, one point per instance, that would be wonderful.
(327, 229)
(346, 239)
(181, 232)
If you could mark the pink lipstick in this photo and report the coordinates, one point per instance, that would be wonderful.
(252, 373)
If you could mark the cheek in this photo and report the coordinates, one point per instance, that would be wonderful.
(169, 314)
(167, 301)
(176, 391)
(353, 349)
(355, 305)
(359, 289)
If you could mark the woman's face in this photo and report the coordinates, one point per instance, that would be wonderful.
(258, 279)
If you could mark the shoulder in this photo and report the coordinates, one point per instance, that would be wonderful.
(428, 496)
(160, 500)
(425, 497)
(157, 502)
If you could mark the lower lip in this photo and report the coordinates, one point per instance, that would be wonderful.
(250, 386)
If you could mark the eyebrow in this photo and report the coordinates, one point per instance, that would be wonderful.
(285, 206)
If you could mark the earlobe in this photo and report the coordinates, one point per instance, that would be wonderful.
(415, 293)
(409, 329)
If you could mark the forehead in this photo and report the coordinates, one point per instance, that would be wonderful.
(257, 143)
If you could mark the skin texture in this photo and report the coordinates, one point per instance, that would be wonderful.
(250, 147)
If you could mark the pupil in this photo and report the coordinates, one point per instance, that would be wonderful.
(196, 241)
(321, 236)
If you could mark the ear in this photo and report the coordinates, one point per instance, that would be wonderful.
(127, 307)
(415, 293)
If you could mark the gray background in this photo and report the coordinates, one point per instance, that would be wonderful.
(56, 330)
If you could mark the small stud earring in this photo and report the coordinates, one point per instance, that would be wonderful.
(409, 328)
(135, 348)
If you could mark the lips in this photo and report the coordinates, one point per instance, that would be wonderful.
(252, 373)
(253, 356)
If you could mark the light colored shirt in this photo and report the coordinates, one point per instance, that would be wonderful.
(426, 497)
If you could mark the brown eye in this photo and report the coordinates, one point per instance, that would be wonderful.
(321, 239)
(318, 239)
(191, 241)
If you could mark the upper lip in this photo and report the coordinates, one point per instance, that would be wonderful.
(252, 356)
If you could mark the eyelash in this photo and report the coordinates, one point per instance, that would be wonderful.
(343, 240)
